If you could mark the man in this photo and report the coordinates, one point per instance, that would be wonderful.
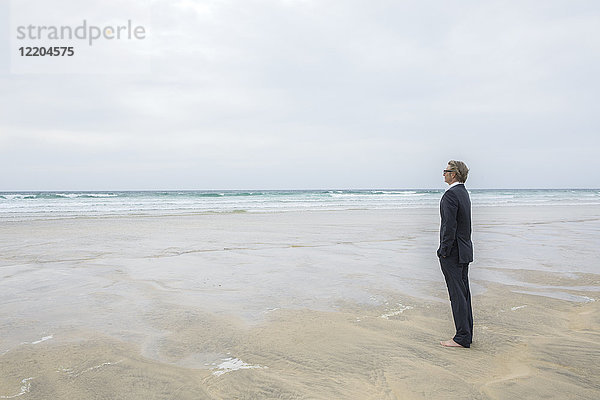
(456, 251)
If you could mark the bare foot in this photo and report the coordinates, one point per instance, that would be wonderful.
(450, 343)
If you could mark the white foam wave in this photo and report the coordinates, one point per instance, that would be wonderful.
(18, 196)
(100, 195)
(43, 339)
(395, 311)
(76, 195)
(271, 310)
(74, 374)
(39, 341)
(233, 364)
(25, 388)
(396, 192)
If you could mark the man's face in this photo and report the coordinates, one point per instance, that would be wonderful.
(449, 176)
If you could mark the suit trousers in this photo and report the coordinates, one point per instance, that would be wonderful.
(457, 281)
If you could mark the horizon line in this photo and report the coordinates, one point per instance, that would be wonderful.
(273, 190)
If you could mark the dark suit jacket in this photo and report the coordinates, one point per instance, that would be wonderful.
(455, 229)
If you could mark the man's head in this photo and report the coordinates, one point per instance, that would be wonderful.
(456, 171)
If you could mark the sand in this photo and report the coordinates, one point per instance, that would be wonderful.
(301, 305)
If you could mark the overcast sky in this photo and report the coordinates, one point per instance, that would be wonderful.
(302, 94)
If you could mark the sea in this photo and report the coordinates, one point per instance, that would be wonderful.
(17, 206)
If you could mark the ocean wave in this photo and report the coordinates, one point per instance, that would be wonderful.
(18, 196)
(200, 194)
(393, 192)
(92, 195)
(52, 195)
(343, 192)
(65, 204)
(84, 195)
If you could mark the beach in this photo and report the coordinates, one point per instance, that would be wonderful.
(300, 304)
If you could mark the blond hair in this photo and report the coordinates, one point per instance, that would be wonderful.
(461, 170)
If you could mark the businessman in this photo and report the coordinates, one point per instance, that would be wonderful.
(456, 251)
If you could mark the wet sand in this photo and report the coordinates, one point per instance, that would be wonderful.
(320, 305)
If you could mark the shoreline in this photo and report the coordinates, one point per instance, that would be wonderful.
(514, 207)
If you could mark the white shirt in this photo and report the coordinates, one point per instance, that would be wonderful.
(454, 184)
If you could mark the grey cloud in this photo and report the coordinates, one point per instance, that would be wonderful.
(353, 89)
